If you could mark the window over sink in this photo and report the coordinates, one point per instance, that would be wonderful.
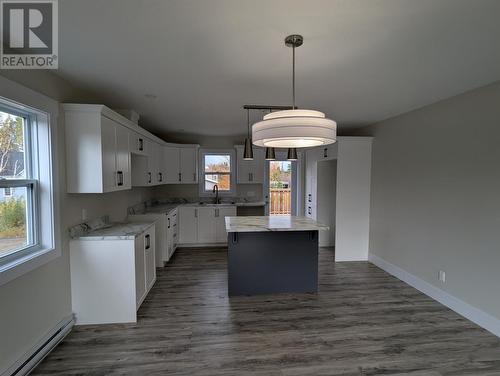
(217, 169)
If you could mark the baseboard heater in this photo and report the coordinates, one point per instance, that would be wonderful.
(32, 358)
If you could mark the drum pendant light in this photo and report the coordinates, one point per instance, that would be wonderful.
(248, 151)
(296, 128)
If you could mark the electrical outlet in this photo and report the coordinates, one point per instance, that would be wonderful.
(442, 276)
(84, 214)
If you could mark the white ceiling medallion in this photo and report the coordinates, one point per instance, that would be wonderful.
(297, 128)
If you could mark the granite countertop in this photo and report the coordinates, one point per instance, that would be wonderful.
(116, 231)
(167, 208)
(250, 203)
(272, 223)
(162, 208)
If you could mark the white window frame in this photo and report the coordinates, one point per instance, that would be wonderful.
(42, 114)
(30, 182)
(232, 173)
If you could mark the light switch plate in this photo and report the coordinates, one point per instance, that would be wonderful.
(442, 276)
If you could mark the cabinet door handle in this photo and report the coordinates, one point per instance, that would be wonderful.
(309, 197)
(148, 241)
(160, 177)
(149, 178)
(196, 213)
(141, 144)
(325, 153)
(180, 176)
(309, 210)
(119, 177)
(168, 219)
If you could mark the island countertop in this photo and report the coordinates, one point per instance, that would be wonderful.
(272, 223)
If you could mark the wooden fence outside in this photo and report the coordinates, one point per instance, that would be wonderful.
(280, 201)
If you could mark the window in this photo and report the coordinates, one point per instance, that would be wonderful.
(217, 169)
(18, 180)
(29, 232)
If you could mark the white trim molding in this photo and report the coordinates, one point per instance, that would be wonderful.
(477, 316)
(25, 364)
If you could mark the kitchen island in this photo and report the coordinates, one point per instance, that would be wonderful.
(272, 254)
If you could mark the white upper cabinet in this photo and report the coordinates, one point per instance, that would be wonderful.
(106, 152)
(154, 163)
(181, 164)
(188, 165)
(97, 153)
(123, 166)
(138, 144)
(250, 172)
(161, 165)
(172, 170)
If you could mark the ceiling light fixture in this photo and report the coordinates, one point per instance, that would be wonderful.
(295, 128)
(248, 151)
(292, 154)
(270, 154)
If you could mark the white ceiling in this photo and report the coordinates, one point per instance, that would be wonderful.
(362, 60)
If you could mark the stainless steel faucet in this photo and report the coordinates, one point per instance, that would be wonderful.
(216, 191)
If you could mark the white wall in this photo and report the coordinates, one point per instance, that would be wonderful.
(353, 199)
(435, 201)
(326, 187)
(31, 305)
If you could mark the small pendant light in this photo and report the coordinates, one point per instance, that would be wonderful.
(292, 154)
(270, 155)
(248, 151)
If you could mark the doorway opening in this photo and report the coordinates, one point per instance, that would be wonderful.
(280, 188)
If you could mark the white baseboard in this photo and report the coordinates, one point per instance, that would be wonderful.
(25, 364)
(481, 318)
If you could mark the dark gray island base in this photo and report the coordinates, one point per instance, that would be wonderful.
(272, 262)
(270, 259)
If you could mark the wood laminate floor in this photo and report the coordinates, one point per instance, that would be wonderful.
(362, 322)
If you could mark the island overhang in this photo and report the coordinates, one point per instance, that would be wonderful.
(272, 223)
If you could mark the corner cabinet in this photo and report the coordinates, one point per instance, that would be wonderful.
(181, 164)
(250, 172)
(97, 152)
(148, 169)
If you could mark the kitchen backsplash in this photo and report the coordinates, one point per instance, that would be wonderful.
(251, 192)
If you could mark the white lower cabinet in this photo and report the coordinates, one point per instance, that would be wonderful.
(188, 225)
(140, 271)
(204, 225)
(165, 234)
(111, 278)
(220, 222)
(149, 258)
(172, 233)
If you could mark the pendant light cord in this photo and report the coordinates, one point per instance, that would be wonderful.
(248, 123)
(293, 76)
